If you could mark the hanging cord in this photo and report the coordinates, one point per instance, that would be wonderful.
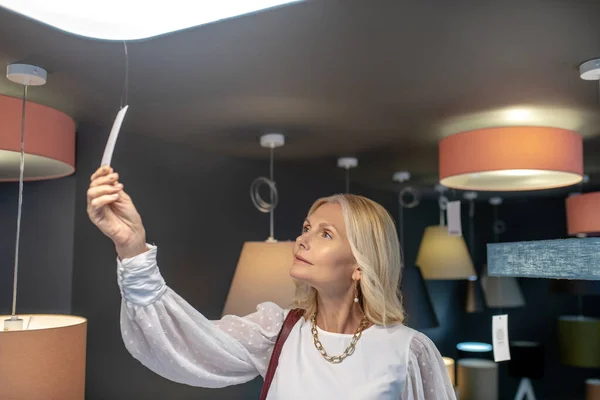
(20, 206)
(125, 91)
(262, 205)
(472, 229)
(498, 228)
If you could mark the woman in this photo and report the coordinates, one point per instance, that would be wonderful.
(350, 342)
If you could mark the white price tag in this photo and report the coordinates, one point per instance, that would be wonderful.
(500, 337)
(453, 215)
(112, 138)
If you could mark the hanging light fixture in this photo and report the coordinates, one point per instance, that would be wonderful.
(500, 292)
(441, 255)
(474, 298)
(43, 356)
(262, 272)
(415, 295)
(50, 133)
(511, 159)
(583, 214)
(347, 163)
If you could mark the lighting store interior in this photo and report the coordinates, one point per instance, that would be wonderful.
(476, 125)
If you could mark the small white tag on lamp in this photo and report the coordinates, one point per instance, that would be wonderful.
(454, 225)
(500, 337)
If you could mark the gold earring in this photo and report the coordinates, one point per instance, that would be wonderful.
(356, 292)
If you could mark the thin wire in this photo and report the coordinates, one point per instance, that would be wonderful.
(125, 91)
(347, 180)
(272, 196)
(20, 207)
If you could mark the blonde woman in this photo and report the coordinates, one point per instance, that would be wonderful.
(344, 339)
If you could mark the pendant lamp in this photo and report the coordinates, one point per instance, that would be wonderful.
(441, 255)
(416, 299)
(42, 356)
(262, 272)
(50, 151)
(500, 292)
(513, 158)
(583, 214)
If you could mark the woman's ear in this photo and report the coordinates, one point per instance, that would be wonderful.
(357, 274)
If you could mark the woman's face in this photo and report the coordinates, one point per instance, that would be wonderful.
(323, 258)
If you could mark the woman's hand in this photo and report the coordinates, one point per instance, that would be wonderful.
(113, 212)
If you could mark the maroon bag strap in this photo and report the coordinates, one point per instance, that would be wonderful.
(291, 319)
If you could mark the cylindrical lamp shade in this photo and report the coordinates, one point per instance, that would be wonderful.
(579, 341)
(450, 366)
(511, 159)
(46, 360)
(416, 300)
(443, 256)
(262, 274)
(526, 360)
(477, 379)
(583, 214)
(592, 389)
(501, 292)
(49, 141)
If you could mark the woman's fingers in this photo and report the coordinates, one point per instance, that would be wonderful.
(105, 180)
(97, 191)
(102, 201)
(104, 170)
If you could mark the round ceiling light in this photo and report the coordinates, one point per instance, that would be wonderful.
(511, 159)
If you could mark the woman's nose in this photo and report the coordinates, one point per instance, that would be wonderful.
(302, 241)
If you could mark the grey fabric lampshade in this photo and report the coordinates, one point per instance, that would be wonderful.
(474, 300)
(416, 299)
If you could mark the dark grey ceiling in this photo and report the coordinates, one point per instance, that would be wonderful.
(381, 80)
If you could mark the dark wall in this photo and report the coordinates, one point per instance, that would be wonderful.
(46, 246)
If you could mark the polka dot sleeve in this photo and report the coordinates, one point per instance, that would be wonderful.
(428, 377)
(168, 336)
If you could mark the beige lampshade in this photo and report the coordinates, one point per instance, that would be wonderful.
(442, 256)
(262, 274)
(592, 389)
(501, 292)
(579, 341)
(45, 360)
(450, 367)
(477, 379)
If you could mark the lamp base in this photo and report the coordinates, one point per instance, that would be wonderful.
(13, 324)
(525, 390)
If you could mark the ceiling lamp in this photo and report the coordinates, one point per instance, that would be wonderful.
(441, 255)
(511, 159)
(132, 19)
(43, 356)
(262, 273)
(583, 214)
(50, 146)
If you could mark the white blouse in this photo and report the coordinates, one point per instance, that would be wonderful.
(167, 335)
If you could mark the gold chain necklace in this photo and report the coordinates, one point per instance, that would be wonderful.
(349, 350)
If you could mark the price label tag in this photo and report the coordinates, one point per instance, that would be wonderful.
(453, 214)
(500, 337)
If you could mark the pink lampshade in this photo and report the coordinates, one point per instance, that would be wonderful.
(49, 141)
(583, 214)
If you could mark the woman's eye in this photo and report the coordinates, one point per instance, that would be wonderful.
(304, 229)
(327, 235)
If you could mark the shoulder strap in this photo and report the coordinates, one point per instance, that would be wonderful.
(291, 319)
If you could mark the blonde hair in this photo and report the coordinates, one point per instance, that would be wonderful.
(374, 242)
